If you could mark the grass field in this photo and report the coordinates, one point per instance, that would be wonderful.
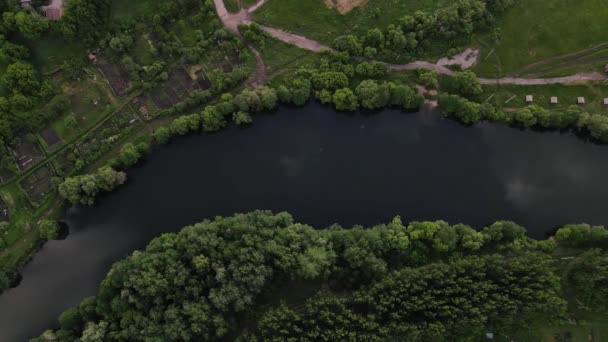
(534, 30)
(314, 20)
(281, 57)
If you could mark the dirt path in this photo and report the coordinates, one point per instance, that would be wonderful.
(466, 59)
(299, 41)
(255, 6)
(259, 76)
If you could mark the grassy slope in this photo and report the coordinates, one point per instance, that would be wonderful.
(534, 30)
(314, 20)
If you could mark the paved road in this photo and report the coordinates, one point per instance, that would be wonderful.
(232, 21)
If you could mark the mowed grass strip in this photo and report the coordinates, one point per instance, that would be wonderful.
(312, 18)
(534, 30)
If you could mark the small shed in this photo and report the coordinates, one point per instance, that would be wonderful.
(529, 98)
(554, 100)
(26, 3)
(606, 101)
(92, 57)
(580, 100)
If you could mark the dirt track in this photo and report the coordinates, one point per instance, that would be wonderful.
(232, 21)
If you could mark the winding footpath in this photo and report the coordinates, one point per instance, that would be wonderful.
(233, 20)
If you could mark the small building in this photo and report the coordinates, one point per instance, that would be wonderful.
(580, 100)
(26, 3)
(554, 100)
(490, 336)
(529, 98)
(92, 57)
(606, 101)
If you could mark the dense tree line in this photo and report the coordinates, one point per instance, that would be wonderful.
(450, 26)
(438, 302)
(417, 281)
(83, 189)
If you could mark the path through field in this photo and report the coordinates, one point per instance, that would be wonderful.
(232, 21)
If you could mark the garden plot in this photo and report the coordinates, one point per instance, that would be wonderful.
(142, 108)
(116, 76)
(38, 185)
(27, 152)
(105, 137)
(51, 138)
(177, 88)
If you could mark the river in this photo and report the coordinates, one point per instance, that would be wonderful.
(323, 167)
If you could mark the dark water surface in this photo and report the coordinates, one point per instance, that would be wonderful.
(322, 167)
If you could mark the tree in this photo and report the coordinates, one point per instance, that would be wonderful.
(598, 127)
(284, 94)
(371, 70)
(20, 77)
(248, 100)
(465, 83)
(48, 230)
(324, 96)
(268, 98)
(374, 38)
(330, 80)
(162, 135)
(129, 155)
(372, 95)
(242, 118)
(300, 91)
(30, 24)
(345, 99)
(404, 96)
(185, 124)
(348, 43)
(526, 117)
(85, 188)
(587, 275)
(428, 78)
(212, 119)
(464, 110)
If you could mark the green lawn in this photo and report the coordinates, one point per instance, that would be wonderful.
(534, 30)
(279, 56)
(130, 9)
(50, 51)
(314, 20)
